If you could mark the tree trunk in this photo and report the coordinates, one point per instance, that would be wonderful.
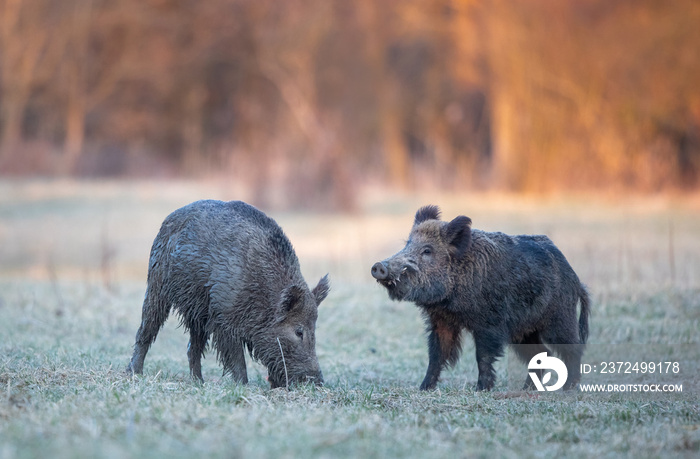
(75, 134)
(13, 107)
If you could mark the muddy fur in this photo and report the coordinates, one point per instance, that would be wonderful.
(231, 274)
(503, 289)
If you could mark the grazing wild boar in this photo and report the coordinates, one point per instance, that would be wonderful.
(231, 273)
(503, 289)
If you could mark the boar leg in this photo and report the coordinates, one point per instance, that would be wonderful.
(526, 349)
(571, 355)
(195, 351)
(230, 353)
(153, 317)
(489, 347)
(572, 360)
(444, 346)
(567, 343)
(236, 364)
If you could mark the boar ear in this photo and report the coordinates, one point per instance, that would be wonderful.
(320, 292)
(291, 297)
(427, 213)
(458, 233)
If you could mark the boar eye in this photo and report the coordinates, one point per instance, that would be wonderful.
(427, 251)
(299, 332)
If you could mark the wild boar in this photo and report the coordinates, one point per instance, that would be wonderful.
(503, 289)
(231, 273)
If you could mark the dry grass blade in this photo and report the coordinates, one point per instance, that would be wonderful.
(284, 363)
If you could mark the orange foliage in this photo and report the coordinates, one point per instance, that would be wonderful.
(318, 96)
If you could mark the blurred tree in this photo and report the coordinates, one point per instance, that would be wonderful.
(581, 90)
(29, 53)
(308, 98)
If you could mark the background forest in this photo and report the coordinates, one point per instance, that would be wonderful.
(297, 99)
(577, 119)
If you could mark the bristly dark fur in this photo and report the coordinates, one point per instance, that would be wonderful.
(231, 274)
(504, 289)
(292, 296)
(320, 292)
(427, 213)
(458, 233)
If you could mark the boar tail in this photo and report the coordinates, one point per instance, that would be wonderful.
(583, 318)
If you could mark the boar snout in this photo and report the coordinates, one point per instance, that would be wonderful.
(380, 271)
(315, 377)
(318, 379)
(282, 380)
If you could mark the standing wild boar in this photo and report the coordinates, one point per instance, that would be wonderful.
(503, 289)
(232, 274)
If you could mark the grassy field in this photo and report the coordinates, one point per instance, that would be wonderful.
(72, 277)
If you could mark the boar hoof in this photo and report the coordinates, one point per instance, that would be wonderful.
(481, 386)
(129, 371)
